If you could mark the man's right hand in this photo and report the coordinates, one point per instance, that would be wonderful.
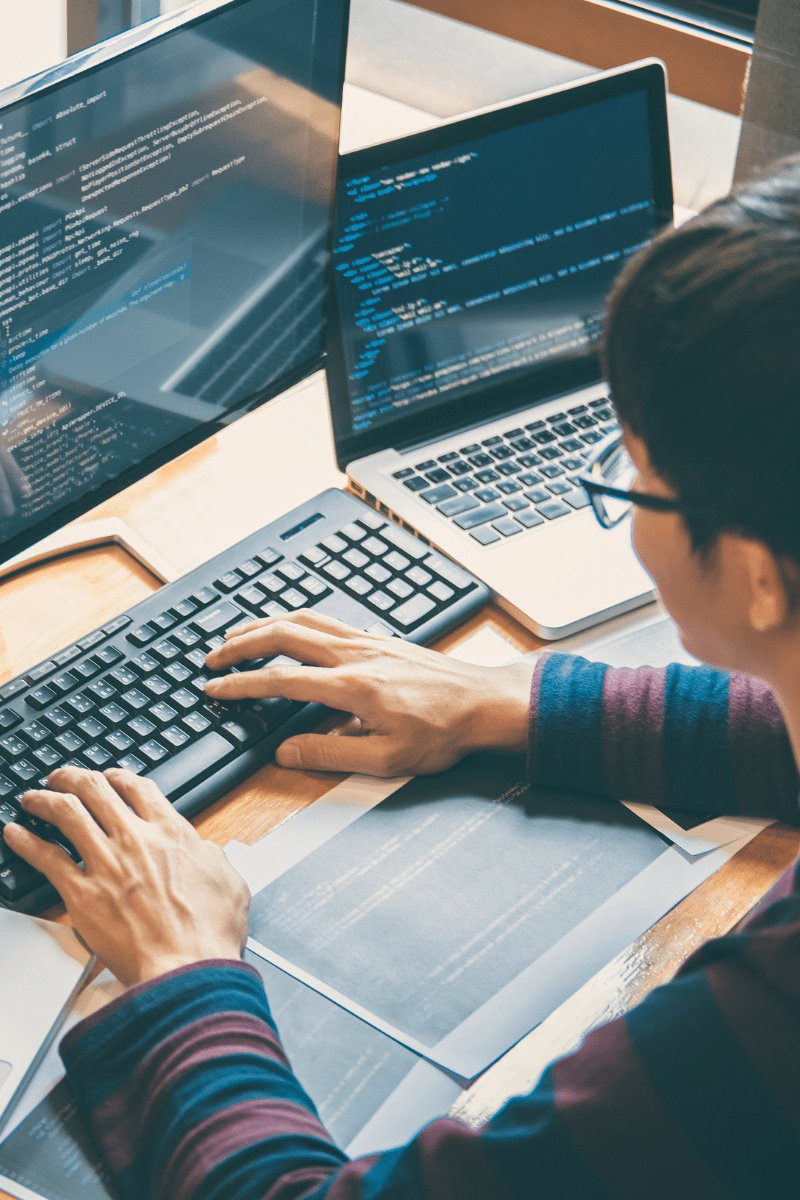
(414, 711)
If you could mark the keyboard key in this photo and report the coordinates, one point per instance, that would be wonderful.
(381, 601)
(441, 592)
(184, 608)
(145, 664)
(6, 787)
(337, 570)
(481, 460)
(177, 672)
(416, 483)
(396, 560)
(156, 685)
(164, 621)
(290, 571)
(123, 676)
(206, 595)
(196, 724)
(92, 639)
(48, 757)
(41, 697)
(17, 878)
(217, 618)
(244, 731)
(13, 688)
(403, 473)
(558, 488)
(530, 479)
(70, 741)
(8, 719)
(294, 599)
(591, 437)
(378, 572)
(354, 530)
(513, 433)
(41, 672)
(112, 714)
(187, 637)
(449, 457)
(102, 689)
(400, 588)
(314, 587)
(413, 610)
(405, 542)
(538, 495)
(315, 556)
(193, 763)
(459, 468)
(57, 718)
(184, 699)
(86, 669)
(509, 486)
(271, 585)
(97, 757)
(334, 544)
(466, 485)
(163, 714)
(502, 452)
(515, 503)
(572, 445)
(508, 468)
(585, 422)
(418, 576)
(529, 460)
(79, 704)
(91, 728)
(473, 449)
(119, 741)
(551, 452)
(134, 700)
(141, 728)
(438, 476)
(553, 509)
(229, 581)
(72, 652)
(359, 586)
(551, 472)
(356, 558)
(12, 746)
(487, 494)
(507, 526)
(449, 571)
(25, 771)
(269, 557)
(35, 733)
(479, 516)
(131, 763)
(487, 476)
(174, 738)
(272, 712)
(451, 508)
(564, 429)
(142, 636)
(436, 495)
(427, 465)
(577, 499)
(495, 440)
(197, 658)
(65, 683)
(521, 444)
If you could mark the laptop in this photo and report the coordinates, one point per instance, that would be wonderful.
(471, 266)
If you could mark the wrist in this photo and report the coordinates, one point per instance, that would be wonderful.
(501, 714)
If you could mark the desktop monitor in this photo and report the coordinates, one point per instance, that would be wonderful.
(166, 205)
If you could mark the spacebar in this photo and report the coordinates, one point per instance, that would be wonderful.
(192, 764)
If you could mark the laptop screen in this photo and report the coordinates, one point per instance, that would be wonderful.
(486, 259)
(166, 208)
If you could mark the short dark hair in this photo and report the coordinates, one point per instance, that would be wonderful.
(702, 354)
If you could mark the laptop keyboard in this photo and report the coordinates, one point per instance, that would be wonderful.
(131, 694)
(514, 481)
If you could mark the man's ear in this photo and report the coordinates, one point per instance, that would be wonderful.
(768, 601)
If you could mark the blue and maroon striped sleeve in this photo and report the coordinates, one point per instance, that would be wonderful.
(681, 737)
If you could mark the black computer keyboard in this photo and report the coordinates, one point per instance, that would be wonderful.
(131, 694)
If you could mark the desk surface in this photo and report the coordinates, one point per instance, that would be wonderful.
(219, 492)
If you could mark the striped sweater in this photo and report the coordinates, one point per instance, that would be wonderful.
(695, 1093)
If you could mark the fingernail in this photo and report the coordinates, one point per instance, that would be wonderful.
(288, 755)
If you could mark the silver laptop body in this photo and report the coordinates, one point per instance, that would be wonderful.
(471, 267)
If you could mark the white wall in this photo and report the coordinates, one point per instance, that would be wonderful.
(32, 37)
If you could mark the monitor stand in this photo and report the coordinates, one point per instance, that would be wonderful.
(85, 535)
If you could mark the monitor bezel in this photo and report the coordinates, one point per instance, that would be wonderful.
(82, 65)
(540, 383)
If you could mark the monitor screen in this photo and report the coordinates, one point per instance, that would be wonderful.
(165, 223)
(487, 258)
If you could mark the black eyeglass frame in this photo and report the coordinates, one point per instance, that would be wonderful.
(596, 490)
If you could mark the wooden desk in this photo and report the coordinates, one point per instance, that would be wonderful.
(224, 489)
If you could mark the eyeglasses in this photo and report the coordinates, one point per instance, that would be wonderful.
(607, 479)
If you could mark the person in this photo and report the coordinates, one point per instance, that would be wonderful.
(694, 1093)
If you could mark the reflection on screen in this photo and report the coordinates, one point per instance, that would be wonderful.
(164, 223)
(474, 265)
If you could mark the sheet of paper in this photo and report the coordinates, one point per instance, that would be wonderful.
(423, 909)
(697, 834)
(370, 1092)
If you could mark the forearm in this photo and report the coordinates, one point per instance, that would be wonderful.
(185, 1087)
(682, 737)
